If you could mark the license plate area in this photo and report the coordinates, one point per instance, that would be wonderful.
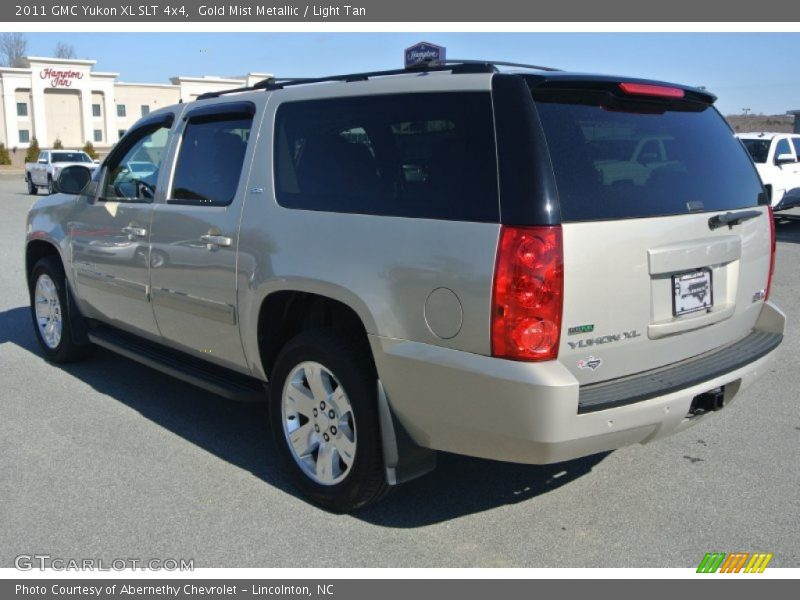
(692, 292)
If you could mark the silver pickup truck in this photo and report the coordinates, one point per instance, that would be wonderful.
(47, 168)
(402, 262)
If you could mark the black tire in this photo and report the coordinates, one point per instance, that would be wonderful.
(32, 189)
(66, 350)
(349, 361)
(50, 189)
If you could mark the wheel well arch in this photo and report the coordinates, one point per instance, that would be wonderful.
(287, 313)
(37, 250)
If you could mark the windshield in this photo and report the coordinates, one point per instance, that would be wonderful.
(642, 161)
(758, 149)
(78, 157)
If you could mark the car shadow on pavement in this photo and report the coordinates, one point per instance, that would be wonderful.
(239, 434)
(787, 227)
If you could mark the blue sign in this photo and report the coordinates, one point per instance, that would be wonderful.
(425, 52)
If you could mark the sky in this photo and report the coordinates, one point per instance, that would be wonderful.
(757, 71)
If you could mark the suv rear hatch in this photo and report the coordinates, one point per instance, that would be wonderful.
(651, 278)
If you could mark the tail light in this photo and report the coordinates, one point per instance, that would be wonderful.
(527, 294)
(772, 250)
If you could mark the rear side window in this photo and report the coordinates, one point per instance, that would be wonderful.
(758, 149)
(412, 155)
(210, 160)
(642, 161)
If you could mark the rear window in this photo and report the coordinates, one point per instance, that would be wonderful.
(411, 155)
(642, 161)
(70, 157)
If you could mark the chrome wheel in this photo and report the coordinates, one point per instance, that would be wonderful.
(48, 311)
(318, 423)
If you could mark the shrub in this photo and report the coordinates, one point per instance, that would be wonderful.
(4, 158)
(89, 149)
(57, 145)
(32, 155)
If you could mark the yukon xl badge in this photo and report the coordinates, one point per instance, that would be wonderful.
(590, 363)
(604, 339)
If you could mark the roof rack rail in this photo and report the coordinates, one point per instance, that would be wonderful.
(455, 66)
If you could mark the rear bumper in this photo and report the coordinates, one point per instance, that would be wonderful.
(529, 413)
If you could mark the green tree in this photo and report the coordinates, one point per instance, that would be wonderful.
(89, 149)
(57, 145)
(5, 159)
(32, 155)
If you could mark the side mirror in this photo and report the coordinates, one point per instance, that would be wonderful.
(42, 161)
(782, 159)
(72, 180)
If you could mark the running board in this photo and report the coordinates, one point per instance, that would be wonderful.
(210, 377)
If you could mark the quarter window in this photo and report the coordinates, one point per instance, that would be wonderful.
(210, 160)
(413, 155)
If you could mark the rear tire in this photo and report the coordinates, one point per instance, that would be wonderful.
(50, 313)
(50, 189)
(32, 189)
(324, 420)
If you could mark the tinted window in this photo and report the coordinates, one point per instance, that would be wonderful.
(642, 161)
(70, 157)
(414, 155)
(782, 147)
(210, 160)
(758, 149)
(796, 144)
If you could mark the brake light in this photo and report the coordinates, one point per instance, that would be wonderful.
(772, 250)
(527, 295)
(654, 91)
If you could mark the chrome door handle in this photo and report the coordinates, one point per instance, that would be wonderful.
(135, 231)
(216, 240)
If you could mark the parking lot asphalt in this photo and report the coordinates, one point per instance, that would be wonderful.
(108, 459)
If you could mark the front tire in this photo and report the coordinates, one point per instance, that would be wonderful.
(50, 313)
(324, 420)
(50, 189)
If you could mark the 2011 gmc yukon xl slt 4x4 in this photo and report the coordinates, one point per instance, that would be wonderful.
(436, 259)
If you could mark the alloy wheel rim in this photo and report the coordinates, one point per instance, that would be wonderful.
(48, 311)
(318, 423)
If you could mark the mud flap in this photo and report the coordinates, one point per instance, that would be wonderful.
(403, 458)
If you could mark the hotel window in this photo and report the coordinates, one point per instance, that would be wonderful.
(120, 110)
(24, 136)
(22, 109)
(145, 110)
(98, 135)
(96, 112)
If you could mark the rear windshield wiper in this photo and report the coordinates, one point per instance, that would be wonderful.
(730, 219)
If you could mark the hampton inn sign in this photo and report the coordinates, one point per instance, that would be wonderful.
(60, 77)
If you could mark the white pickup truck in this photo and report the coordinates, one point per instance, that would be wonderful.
(46, 169)
(777, 160)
